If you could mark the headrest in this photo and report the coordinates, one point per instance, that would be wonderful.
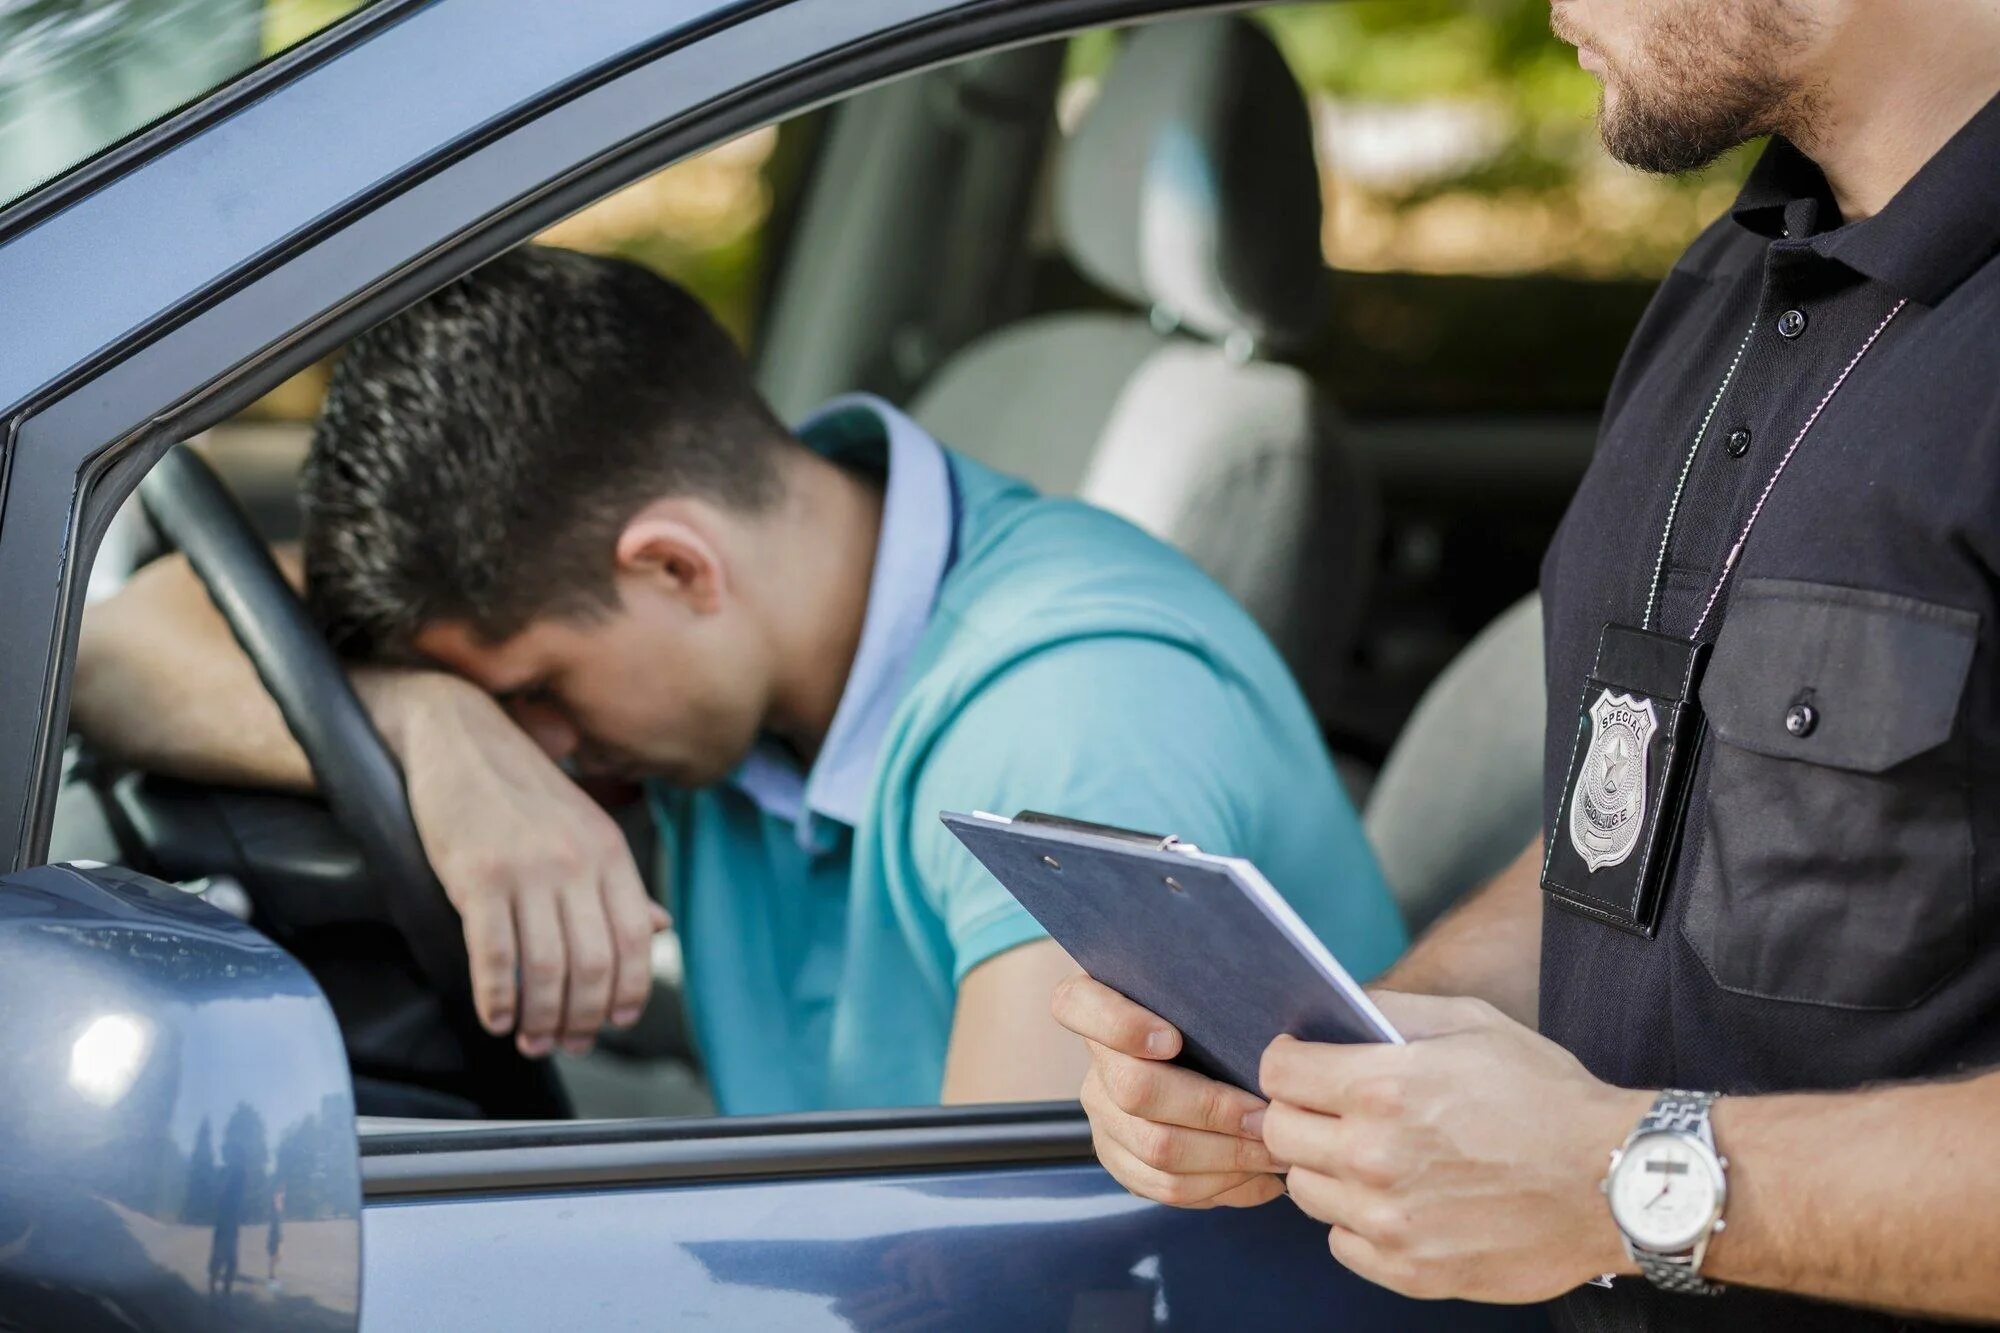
(1192, 187)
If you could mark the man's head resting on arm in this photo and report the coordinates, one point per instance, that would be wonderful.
(556, 479)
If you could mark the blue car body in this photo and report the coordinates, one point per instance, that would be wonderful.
(163, 1069)
(171, 1070)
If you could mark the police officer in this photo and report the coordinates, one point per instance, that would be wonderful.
(1761, 931)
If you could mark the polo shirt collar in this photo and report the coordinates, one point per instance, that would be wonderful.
(1938, 229)
(912, 555)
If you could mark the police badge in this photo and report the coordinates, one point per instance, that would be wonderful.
(1618, 822)
(1624, 811)
(1609, 806)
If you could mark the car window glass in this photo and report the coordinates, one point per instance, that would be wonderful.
(76, 76)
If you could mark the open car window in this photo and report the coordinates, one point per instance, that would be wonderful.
(885, 287)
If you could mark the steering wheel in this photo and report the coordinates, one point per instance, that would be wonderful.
(357, 775)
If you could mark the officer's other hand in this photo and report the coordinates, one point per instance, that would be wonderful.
(558, 924)
(1462, 1164)
(1163, 1132)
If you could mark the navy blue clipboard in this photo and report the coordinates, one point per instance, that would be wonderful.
(1203, 941)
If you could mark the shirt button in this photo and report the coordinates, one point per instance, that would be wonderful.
(1792, 323)
(1739, 442)
(1800, 719)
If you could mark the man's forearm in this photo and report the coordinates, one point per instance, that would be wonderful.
(1489, 946)
(162, 684)
(1882, 1198)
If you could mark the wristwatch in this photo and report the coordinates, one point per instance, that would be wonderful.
(1667, 1185)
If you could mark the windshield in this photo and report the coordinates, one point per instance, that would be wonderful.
(76, 76)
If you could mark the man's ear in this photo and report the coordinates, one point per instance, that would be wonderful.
(664, 547)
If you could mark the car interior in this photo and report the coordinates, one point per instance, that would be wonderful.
(1116, 288)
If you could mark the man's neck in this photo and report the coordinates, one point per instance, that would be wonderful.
(822, 560)
(1903, 78)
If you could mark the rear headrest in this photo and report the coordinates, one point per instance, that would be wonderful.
(1192, 187)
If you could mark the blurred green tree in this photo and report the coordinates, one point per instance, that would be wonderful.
(290, 21)
(1542, 169)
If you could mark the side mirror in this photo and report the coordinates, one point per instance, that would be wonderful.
(177, 1142)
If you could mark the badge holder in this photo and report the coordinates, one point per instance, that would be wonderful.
(1617, 827)
(1618, 824)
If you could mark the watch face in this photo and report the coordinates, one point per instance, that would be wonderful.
(1665, 1192)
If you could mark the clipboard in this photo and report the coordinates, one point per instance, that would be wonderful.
(1203, 941)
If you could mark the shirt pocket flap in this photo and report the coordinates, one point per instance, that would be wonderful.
(1881, 673)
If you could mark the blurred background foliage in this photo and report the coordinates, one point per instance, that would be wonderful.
(1455, 136)
(1459, 136)
(290, 21)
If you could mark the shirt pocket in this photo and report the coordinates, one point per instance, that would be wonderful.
(1835, 862)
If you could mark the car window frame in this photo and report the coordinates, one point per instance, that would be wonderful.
(78, 444)
(453, 1159)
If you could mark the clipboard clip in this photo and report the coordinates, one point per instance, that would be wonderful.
(1151, 841)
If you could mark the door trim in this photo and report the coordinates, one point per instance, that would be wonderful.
(447, 1160)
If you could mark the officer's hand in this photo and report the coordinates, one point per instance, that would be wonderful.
(558, 925)
(1463, 1164)
(1163, 1132)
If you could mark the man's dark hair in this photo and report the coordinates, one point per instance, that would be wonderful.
(480, 452)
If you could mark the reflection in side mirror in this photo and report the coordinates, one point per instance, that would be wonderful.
(177, 1146)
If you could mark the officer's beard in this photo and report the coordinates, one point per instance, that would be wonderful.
(1712, 76)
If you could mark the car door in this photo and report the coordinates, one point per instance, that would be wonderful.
(159, 287)
(956, 1218)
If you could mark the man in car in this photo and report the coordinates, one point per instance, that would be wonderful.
(549, 508)
(1792, 527)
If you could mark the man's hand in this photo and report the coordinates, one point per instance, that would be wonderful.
(1163, 1132)
(1463, 1164)
(558, 925)
(540, 875)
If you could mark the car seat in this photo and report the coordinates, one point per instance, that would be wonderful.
(1191, 192)
(1461, 792)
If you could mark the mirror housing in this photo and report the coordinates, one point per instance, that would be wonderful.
(177, 1139)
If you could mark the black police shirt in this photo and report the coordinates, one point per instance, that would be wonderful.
(1833, 914)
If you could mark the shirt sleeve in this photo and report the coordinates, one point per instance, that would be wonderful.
(1124, 730)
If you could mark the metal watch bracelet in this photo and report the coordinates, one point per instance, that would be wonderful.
(1677, 1275)
(1677, 1111)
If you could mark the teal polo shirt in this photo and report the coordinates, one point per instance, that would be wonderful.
(1018, 652)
